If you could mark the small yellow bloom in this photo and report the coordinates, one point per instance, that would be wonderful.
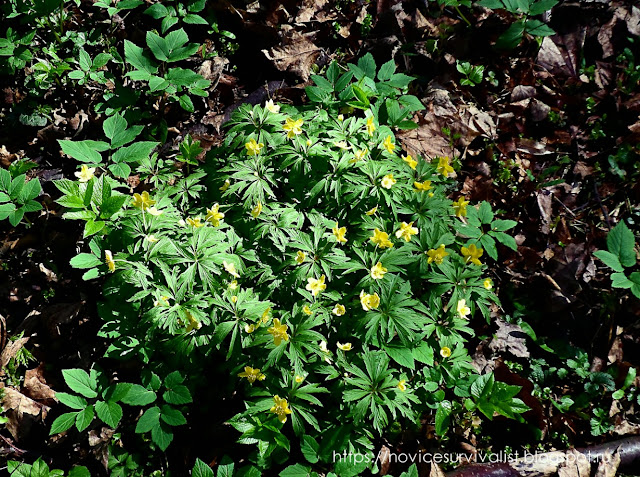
(192, 323)
(85, 174)
(231, 268)
(410, 161)
(300, 257)
(155, 212)
(444, 166)
(163, 301)
(234, 299)
(108, 258)
(406, 231)
(214, 215)
(316, 286)
(372, 211)
(256, 210)
(233, 285)
(342, 145)
(143, 201)
(265, 315)
(152, 238)
(323, 347)
(445, 351)
(272, 107)
(401, 385)
(252, 374)
(280, 408)
(388, 144)
(279, 332)
(472, 254)
(370, 126)
(306, 310)
(460, 207)
(488, 284)
(344, 347)
(196, 223)
(293, 128)
(225, 186)
(250, 328)
(359, 156)
(340, 233)
(381, 239)
(340, 117)
(422, 186)
(339, 310)
(378, 271)
(388, 181)
(369, 302)
(462, 308)
(253, 147)
(437, 255)
(298, 378)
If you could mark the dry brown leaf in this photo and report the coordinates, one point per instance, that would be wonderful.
(521, 92)
(297, 54)
(10, 351)
(576, 465)
(510, 338)
(436, 471)
(212, 70)
(100, 444)
(550, 58)
(22, 412)
(384, 460)
(315, 11)
(609, 464)
(35, 386)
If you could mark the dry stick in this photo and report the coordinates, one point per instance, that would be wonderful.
(604, 212)
(547, 464)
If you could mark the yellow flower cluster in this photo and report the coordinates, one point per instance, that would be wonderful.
(293, 127)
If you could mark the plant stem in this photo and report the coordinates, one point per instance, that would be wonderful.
(462, 16)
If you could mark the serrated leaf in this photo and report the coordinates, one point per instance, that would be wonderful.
(162, 436)
(81, 151)
(610, 260)
(149, 420)
(621, 243)
(172, 417)
(72, 401)
(84, 418)
(200, 469)
(135, 56)
(85, 260)
(109, 412)
(178, 395)
(79, 381)
(62, 423)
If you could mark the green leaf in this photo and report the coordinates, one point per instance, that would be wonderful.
(309, 448)
(387, 70)
(114, 125)
(505, 239)
(30, 191)
(424, 353)
(401, 355)
(200, 469)
(84, 418)
(117, 391)
(503, 225)
(16, 216)
(443, 420)
(78, 379)
(85, 260)
(178, 395)
(186, 103)
(71, 400)
(135, 56)
(621, 243)
(620, 280)
(6, 210)
(62, 423)
(538, 28)
(635, 280)
(109, 412)
(120, 170)
(225, 467)
(162, 436)
(296, 470)
(482, 386)
(136, 152)
(139, 396)
(79, 471)
(610, 260)
(83, 151)
(149, 420)
(512, 37)
(172, 416)
(92, 227)
(485, 214)
(112, 205)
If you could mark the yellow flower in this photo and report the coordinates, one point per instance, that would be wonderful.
(359, 155)
(233, 285)
(265, 315)
(193, 324)
(280, 408)
(462, 308)
(388, 144)
(381, 239)
(143, 201)
(85, 174)
(163, 301)
(155, 212)
(234, 299)
(293, 128)
(195, 222)
(252, 374)
(460, 207)
(340, 117)
(422, 186)
(437, 255)
(300, 257)
(340, 233)
(344, 347)
(152, 238)
(378, 271)
(370, 126)
(445, 351)
(410, 161)
(444, 166)
(388, 181)
(316, 286)
(278, 331)
(214, 215)
(406, 231)
(342, 145)
(372, 211)
(231, 268)
(488, 284)
(253, 147)
(472, 254)
(323, 347)
(339, 310)
(256, 210)
(108, 258)
(225, 186)
(369, 302)
(306, 310)
(401, 385)
(250, 328)
(298, 378)
(272, 107)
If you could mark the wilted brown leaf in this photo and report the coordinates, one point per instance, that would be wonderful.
(35, 386)
(609, 464)
(10, 351)
(22, 412)
(509, 338)
(297, 54)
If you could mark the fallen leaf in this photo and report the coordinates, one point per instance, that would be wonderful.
(609, 464)
(575, 465)
(22, 412)
(509, 338)
(436, 471)
(10, 351)
(35, 386)
(297, 54)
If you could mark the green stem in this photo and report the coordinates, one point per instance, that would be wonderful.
(462, 16)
